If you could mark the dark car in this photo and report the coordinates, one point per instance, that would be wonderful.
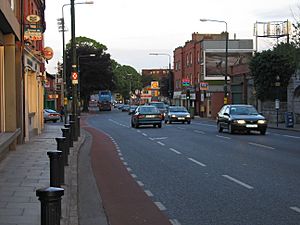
(146, 115)
(241, 118)
(177, 114)
(161, 107)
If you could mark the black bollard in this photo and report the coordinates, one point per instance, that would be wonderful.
(50, 199)
(73, 128)
(76, 127)
(70, 134)
(66, 134)
(55, 177)
(62, 145)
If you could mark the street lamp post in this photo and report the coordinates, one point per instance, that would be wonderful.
(226, 57)
(166, 54)
(63, 29)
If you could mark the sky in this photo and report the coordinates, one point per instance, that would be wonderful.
(132, 29)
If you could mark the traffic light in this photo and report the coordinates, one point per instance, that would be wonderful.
(188, 94)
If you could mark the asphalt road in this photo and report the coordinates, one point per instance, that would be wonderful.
(197, 176)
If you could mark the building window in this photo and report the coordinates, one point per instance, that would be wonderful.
(12, 4)
(198, 57)
(187, 60)
(191, 59)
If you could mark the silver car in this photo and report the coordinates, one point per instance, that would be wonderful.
(177, 114)
(51, 115)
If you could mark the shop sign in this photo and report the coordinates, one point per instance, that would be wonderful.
(154, 85)
(33, 18)
(33, 34)
(203, 86)
(48, 53)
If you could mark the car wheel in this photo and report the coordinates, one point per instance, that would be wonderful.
(166, 121)
(54, 121)
(159, 125)
(170, 121)
(220, 129)
(263, 132)
(132, 125)
(136, 125)
(230, 129)
(188, 122)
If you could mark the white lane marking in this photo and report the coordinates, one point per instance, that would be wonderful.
(197, 162)
(159, 138)
(203, 124)
(140, 183)
(133, 175)
(260, 145)
(138, 131)
(290, 136)
(120, 154)
(122, 158)
(174, 222)
(224, 137)
(160, 143)
(149, 193)
(129, 169)
(125, 163)
(238, 182)
(160, 206)
(144, 134)
(181, 128)
(173, 150)
(296, 209)
(199, 131)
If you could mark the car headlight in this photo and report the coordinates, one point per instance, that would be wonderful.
(173, 116)
(261, 121)
(241, 121)
(188, 115)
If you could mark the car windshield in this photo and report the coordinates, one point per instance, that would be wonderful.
(148, 110)
(243, 110)
(177, 109)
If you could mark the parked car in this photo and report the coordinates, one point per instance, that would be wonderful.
(161, 107)
(51, 115)
(146, 115)
(132, 108)
(241, 118)
(177, 114)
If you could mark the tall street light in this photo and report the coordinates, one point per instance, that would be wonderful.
(226, 57)
(166, 54)
(62, 29)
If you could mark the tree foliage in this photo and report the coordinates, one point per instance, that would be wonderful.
(95, 72)
(271, 66)
(126, 78)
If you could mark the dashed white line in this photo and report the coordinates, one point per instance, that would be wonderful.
(173, 150)
(122, 158)
(296, 209)
(140, 183)
(199, 131)
(224, 137)
(160, 143)
(149, 193)
(125, 163)
(238, 181)
(160, 206)
(120, 154)
(129, 169)
(197, 162)
(174, 222)
(133, 175)
(138, 131)
(290, 136)
(260, 145)
(144, 134)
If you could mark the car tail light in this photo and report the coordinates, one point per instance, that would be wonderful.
(141, 116)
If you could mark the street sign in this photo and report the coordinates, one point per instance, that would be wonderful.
(74, 78)
(154, 85)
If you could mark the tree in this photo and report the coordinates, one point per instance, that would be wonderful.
(271, 66)
(126, 77)
(95, 73)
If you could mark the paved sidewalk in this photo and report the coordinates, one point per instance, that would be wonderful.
(25, 170)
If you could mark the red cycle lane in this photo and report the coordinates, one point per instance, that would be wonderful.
(124, 201)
